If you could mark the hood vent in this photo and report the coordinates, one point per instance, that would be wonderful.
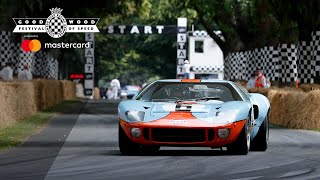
(183, 107)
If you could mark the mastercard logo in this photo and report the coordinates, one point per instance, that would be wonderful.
(31, 45)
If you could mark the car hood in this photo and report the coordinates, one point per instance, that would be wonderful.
(216, 112)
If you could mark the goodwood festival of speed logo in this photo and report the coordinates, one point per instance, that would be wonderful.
(56, 25)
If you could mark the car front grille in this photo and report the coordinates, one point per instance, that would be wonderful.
(178, 135)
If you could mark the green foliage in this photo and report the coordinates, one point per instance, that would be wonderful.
(246, 24)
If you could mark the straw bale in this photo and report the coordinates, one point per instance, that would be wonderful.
(309, 87)
(295, 109)
(308, 117)
(21, 99)
(96, 93)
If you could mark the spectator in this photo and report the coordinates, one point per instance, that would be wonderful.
(252, 81)
(6, 73)
(109, 93)
(25, 75)
(186, 69)
(268, 83)
(103, 93)
(115, 87)
(261, 81)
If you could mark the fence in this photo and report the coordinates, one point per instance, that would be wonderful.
(284, 63)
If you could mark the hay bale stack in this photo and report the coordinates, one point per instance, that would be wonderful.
(309, 87)
(69, 89)
(21, 99)
(295, 109)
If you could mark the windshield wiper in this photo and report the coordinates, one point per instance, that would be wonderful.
(208, 98)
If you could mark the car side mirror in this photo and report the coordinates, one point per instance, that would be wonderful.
(255, 111)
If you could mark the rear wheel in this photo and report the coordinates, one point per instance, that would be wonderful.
(242, 145)
(125, 145)
(261, 141)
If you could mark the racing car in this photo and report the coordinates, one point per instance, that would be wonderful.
(194, 112)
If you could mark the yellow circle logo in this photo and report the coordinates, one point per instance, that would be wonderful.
(31, 45)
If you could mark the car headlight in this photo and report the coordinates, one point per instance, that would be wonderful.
(223, 117)
(223, 133)
(135, 116)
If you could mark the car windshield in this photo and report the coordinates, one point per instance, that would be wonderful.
(177, 91)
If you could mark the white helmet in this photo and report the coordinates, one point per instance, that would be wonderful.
(186, 62)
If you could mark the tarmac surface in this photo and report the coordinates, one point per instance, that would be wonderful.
(83, 144)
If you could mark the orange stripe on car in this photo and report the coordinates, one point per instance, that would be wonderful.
(191, 80)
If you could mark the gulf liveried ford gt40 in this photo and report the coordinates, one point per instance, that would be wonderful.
(193, 112)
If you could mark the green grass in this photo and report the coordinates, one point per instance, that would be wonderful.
(22, 130)
(276, 126)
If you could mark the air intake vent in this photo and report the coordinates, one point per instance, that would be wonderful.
(178, 135)
(146, 134)
(210, 134)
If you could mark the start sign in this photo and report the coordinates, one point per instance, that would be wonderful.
(160, 29)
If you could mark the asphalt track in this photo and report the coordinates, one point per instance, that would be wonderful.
(85, 147)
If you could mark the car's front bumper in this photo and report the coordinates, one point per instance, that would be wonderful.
(190, 132)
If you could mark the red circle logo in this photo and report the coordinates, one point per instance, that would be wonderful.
(31, 45)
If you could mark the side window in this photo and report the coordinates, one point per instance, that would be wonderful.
(198, 46)
(242, 90)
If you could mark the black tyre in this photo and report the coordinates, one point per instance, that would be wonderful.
(126, 146)
(242, 145)
(150, 149)
(261, 141)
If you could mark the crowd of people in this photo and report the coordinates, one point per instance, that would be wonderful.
(258, 80)
(6, 74)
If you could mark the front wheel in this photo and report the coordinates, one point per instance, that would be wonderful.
(126, 146)
(261, 141)
(242, 145)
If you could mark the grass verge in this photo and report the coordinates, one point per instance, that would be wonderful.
(22, 130)
(274, 126)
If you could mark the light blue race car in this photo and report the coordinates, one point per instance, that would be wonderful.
(194, 112)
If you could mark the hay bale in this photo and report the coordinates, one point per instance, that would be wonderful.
(96, 93)
(242, 83)
(17, 101)
(21, 99)
(277, 105)
(263, 91)
(295, 109)
(309, 87)
(285, 107)
(309, 112)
